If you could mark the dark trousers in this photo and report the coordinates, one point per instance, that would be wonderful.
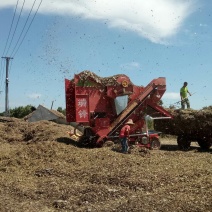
(124, 144)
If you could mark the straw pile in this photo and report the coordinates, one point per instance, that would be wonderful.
(187, 121)
(43, 169)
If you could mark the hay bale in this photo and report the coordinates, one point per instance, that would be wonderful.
(105, 81)
(187, 121)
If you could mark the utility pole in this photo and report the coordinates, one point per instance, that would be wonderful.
(7, 86)
(52, 104)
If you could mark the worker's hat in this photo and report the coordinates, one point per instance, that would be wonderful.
(130, 121)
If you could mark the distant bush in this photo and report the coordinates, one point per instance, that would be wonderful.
(21, 112)
(61, 110)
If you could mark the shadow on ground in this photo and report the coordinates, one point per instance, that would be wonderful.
(72, 142)
(67, 141)
(173, 147)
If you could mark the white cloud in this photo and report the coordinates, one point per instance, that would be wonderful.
(131, 66)
(203, 25)
(34, 96)
(155, 20)
(171, 95)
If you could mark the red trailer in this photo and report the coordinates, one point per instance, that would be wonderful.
(103, 105)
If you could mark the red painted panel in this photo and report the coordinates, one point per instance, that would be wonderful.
(102, 123)
(82, 108)
(70, 101)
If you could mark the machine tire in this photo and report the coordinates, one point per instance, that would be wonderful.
(155, 144)
(88, 139)
(183, 142)
(76, 128)
(205, 144)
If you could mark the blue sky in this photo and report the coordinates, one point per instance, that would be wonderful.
(142, 39)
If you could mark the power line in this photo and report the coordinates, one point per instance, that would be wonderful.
(28, 28)
(10, 27)
(24, 27)
(8, 58)
(16, 27)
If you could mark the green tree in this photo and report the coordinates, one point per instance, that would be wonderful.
(61, 110)
(21, 112)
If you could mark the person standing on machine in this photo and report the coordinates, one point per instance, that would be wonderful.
(184, 96)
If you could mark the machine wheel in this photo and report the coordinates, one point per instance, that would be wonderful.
(205, 143)
(155, 144)
(183, 142)
(88, 139)
(77, 129)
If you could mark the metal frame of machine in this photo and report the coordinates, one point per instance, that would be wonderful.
(90, 102)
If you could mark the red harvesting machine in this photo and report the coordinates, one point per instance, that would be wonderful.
(100, 106)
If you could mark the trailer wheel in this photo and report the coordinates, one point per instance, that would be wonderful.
(205, 143)
(183, 142)
(155, 144)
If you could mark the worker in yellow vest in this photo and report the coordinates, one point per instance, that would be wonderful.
(184, 96)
